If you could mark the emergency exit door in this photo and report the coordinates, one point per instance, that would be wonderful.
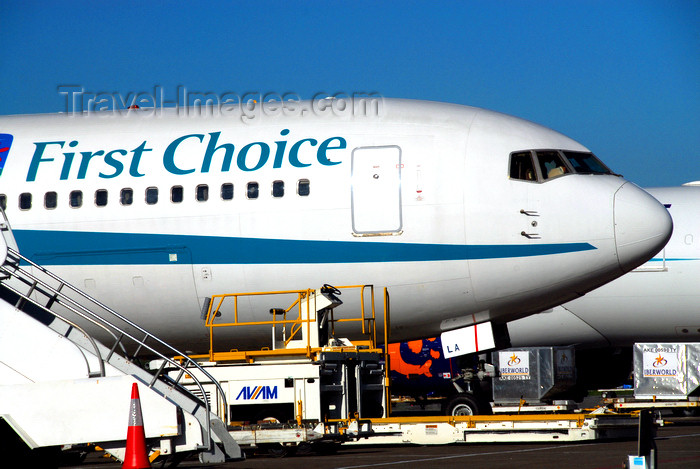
(376, 190)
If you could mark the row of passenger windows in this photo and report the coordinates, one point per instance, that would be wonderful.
(151, 195)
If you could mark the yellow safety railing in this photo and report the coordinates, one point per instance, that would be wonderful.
(296, 317)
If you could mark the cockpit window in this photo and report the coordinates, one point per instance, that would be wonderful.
(542, 165)
(521, 166)
(586, 163)
(551, 164)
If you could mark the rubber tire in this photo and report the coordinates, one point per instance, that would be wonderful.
(462, 405)
(278, 450)
(686, 412)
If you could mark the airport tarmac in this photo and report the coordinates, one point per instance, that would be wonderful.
(678, 446)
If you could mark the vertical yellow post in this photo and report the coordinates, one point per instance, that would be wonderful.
(300, 409)
(387, 367)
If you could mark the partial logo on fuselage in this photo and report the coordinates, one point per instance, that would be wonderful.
(5, 145)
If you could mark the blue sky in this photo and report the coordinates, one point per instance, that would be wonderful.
(623, 78)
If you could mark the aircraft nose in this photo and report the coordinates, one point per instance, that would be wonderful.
(643, 226)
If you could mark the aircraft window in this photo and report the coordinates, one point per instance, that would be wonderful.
(127, 196)
(227, 191)
(202, 193)
(176, 194)
(25, 201)
(253, 190)
(76, 199)
(551, 164)
(521, 166)
(278, 189)
(586, 163)
(3, 201)
(50, 200)
(101, 197)
(303, 187)
(152, 195)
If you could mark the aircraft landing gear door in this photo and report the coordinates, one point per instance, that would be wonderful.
(376, 191)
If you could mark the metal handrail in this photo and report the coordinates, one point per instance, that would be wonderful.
(61, 298)
(367, 319)
(38, 285)
(67, 321)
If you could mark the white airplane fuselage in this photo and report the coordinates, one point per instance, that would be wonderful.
(657, 302)
(153, 212)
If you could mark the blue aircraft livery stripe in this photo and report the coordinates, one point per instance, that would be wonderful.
(96, 248)
(673, 259)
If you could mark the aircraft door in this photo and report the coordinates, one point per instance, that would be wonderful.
(376, 190)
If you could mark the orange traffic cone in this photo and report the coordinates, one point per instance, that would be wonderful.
(136, 456)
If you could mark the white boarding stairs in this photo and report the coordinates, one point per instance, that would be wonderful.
(60, 385)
